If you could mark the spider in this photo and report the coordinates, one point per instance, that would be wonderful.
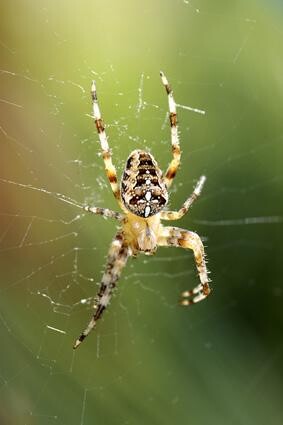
(142, 196)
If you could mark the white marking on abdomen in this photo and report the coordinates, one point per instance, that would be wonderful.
(148, 196)
(147, 211)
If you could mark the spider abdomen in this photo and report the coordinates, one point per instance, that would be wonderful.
(143, 190)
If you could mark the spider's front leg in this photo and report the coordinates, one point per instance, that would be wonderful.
(173, 236)
(118, 254)
(106, 153)
(176, 151)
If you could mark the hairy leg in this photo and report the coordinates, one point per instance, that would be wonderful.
(173, 236)
(105, 212)
(106, 153)
(117, 258)
(174, 164)
(175, 215)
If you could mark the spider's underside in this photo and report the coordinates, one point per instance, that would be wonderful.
(142, 197)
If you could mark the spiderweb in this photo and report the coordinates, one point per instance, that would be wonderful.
(148, 361)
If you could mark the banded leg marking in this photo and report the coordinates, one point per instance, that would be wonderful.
(176, 151)
(117, 258)
(105, 212)
(106, 153)
(173, 236)
(175, 215)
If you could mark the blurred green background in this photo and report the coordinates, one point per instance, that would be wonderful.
(149, 361)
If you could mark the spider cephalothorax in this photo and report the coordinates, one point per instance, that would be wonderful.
(143, 189)
(142, 196)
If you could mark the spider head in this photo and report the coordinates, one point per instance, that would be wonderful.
(143, 190)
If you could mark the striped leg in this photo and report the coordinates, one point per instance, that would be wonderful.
(174, 164)
(106, 153)
(173, 236)
(117, 258)
(175, 215)
(105, 212)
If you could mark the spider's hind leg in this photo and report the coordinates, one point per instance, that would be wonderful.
(117, 258)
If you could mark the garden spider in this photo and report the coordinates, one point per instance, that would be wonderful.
(142, 196)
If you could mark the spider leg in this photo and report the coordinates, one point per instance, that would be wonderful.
(105, 212)
(174, 164)
(173, 236)
(175, 215)
(117, 258)
(106, 153)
